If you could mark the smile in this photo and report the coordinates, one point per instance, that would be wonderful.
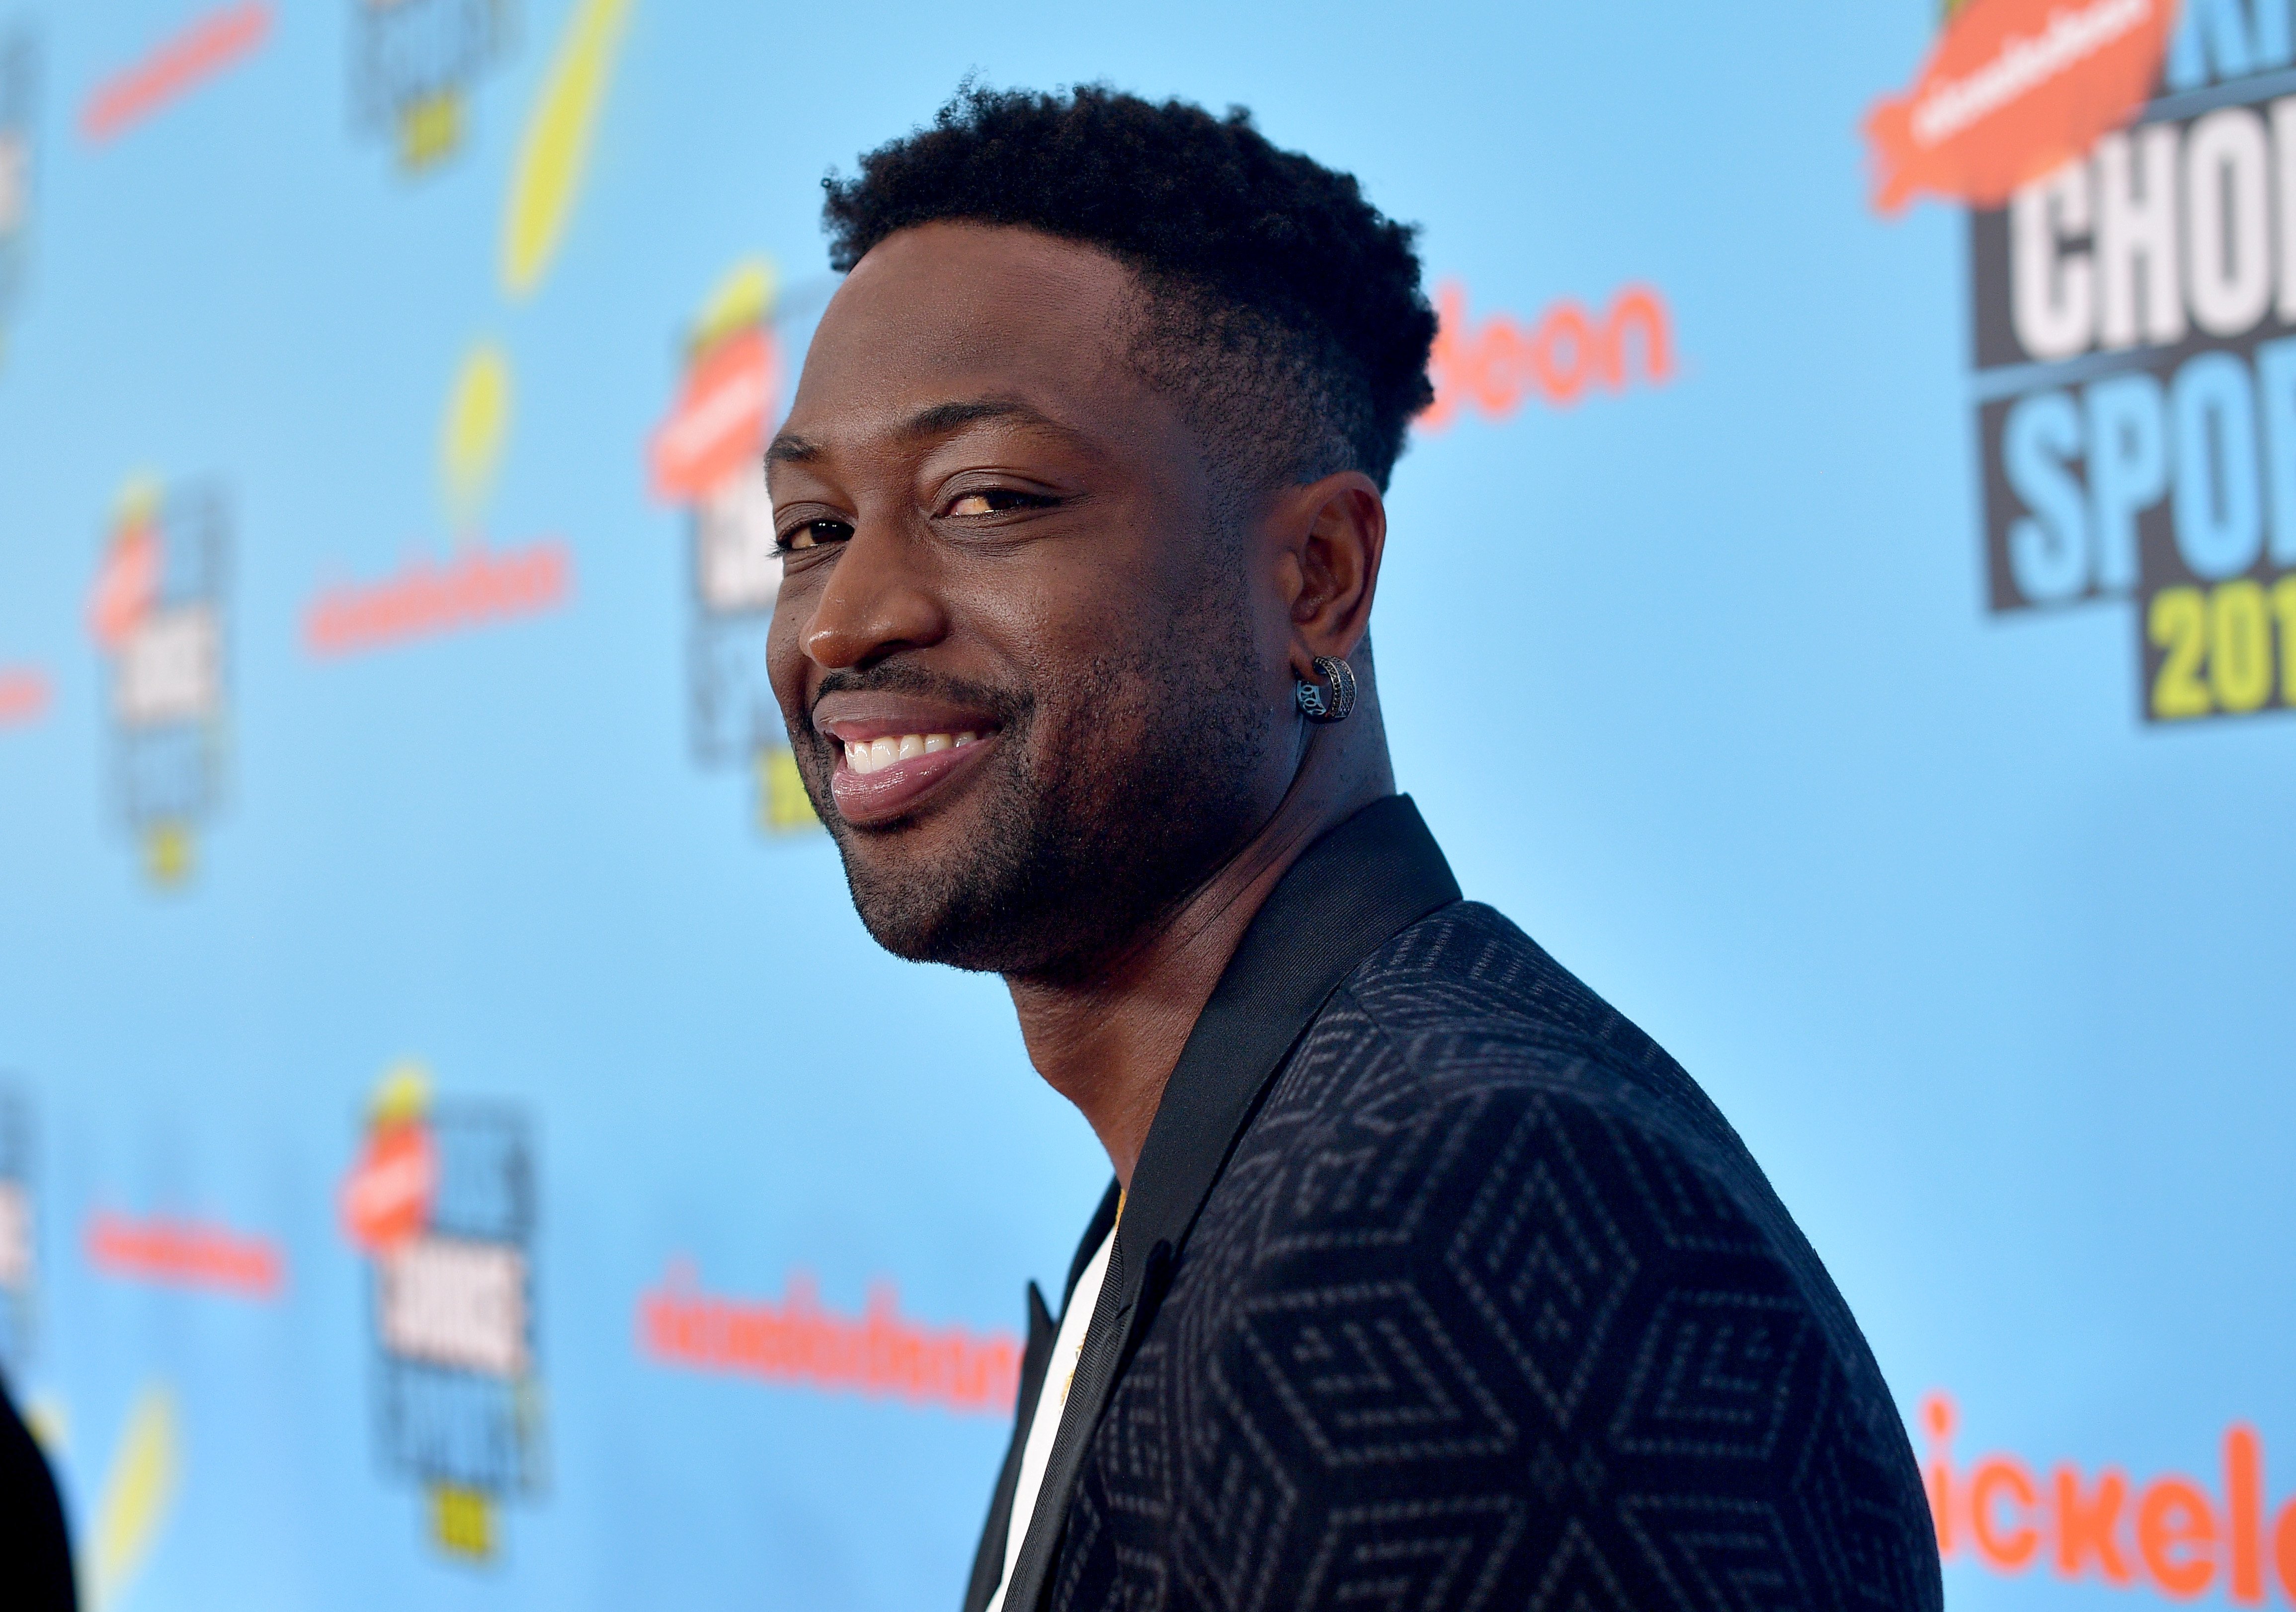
(896, 752)
(890, 775)
(875, 754)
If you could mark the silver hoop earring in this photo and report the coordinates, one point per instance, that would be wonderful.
(1317, 706)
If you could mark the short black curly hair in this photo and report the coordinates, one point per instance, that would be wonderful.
(1283, 309)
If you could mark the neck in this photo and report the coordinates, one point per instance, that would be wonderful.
(1109, 1043)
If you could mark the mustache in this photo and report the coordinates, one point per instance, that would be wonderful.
(1012, 707)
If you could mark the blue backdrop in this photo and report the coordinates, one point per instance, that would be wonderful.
(377, 762)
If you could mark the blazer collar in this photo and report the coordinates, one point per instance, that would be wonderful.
(1361, 883)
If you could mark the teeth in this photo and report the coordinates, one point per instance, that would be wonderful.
(875, 754)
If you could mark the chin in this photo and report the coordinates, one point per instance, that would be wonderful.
(1047, 866)
(945, 933)
(911, 905)
(996, 911)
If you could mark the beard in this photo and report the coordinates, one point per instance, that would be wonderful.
(1115, 790)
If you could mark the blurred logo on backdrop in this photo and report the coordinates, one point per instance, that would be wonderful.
(800, 1342)
(706, 455)
(2134, 293)
(441, 1202)
(207, 45)
(175, 1251)
(478, 584)
(158, 613)
(2174, 1535)
(413, 65)
(1497, 363)
(2011, 90)
(19, 1264)
(18, 82)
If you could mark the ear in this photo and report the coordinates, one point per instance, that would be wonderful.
(1335, 531)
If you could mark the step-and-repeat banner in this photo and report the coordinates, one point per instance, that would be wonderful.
(457, 1147)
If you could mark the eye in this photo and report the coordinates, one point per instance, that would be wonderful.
(812, 534)
(996, 501)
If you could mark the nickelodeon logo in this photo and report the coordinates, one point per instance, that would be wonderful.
(185, 1254)
(2171, 1535)
(881, 1353)
(478, 587)
(1497, 363)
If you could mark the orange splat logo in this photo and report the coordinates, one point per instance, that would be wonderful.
(719, 422)
(128, 586)
(387, 1196)
(2014, 89)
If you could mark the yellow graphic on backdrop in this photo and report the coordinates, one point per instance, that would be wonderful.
(402, 1096)
(429, 130)
(743, 299)
(471, 437)
(463, 1521)
(785, 808)
(167, 854)
(555, 149)
(139, 1492)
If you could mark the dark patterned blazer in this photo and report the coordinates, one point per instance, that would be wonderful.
(1441, 1286)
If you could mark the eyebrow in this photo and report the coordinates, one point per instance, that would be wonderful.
(937, 420)
(943, 418)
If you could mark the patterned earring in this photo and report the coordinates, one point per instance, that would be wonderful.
(1317, 706)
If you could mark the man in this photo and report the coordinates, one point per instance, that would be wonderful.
(1426, 1279)
(36, 1566)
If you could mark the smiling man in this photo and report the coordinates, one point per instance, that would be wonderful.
(1426, 1280)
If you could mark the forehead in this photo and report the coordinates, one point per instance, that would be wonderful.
(953, 312)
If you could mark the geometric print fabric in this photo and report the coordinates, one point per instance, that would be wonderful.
(1491, 1308)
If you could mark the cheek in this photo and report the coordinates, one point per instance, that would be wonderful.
(1107, 671)
(1098, 593)
(1087, 655)
(784, 661)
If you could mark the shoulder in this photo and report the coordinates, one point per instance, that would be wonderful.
(1484, 1237)
(1461, 1049)
(1464, 998)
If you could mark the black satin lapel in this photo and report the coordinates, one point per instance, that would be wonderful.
(988, 1559)
(1095, 1233)
(1369, 878)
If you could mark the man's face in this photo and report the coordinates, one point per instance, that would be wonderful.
(1036, 687)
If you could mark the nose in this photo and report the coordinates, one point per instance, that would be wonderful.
(879, 600)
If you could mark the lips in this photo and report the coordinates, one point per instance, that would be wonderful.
(896, 751)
